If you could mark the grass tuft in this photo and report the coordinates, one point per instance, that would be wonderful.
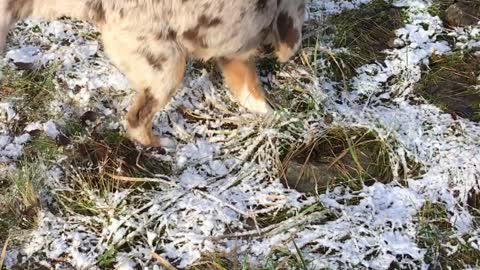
(365, 33)
(220, 261)
(352, 157)
(96, 162)
(42, 147)
(445, 248)
(282, 258)
(438, 8)
(31, 91)
(107, 259)
(451, 84)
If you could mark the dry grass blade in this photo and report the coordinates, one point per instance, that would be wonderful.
(163, 262)
(277, 228)
(4, 252)
(140, 180)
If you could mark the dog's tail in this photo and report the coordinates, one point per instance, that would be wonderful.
(14, 10)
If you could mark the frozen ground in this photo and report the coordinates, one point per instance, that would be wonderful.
(225, 172)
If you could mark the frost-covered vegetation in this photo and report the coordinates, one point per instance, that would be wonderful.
(372, 160)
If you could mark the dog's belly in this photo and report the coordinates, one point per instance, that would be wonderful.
(204, 28)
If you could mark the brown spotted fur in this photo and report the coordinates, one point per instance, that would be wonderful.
(151, 40)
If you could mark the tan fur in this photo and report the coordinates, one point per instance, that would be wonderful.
(150, 40)
(242, 80)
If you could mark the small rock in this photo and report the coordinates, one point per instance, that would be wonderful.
(462, 14)
(24, 66)
(308, 177)
(391, 43)
(328, 119)
(90, 116)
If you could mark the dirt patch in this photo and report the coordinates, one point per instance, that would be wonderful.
(353, 158)
(114, 154)
(103, 164)
(366, 33)
(452, 84)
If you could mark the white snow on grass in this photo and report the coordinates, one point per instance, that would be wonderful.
(332, 7)
(226, 172)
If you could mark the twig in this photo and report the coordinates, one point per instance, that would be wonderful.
(213, 198)
(4, 252)
(254, 217)
(255, 232)
(140, 180)
(123, 220)
(163, 262)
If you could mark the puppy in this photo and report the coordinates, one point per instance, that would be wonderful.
(150, 41)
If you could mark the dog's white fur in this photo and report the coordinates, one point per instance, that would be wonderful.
(150, 40)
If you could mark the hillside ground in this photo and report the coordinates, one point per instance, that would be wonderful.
(371, 161)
